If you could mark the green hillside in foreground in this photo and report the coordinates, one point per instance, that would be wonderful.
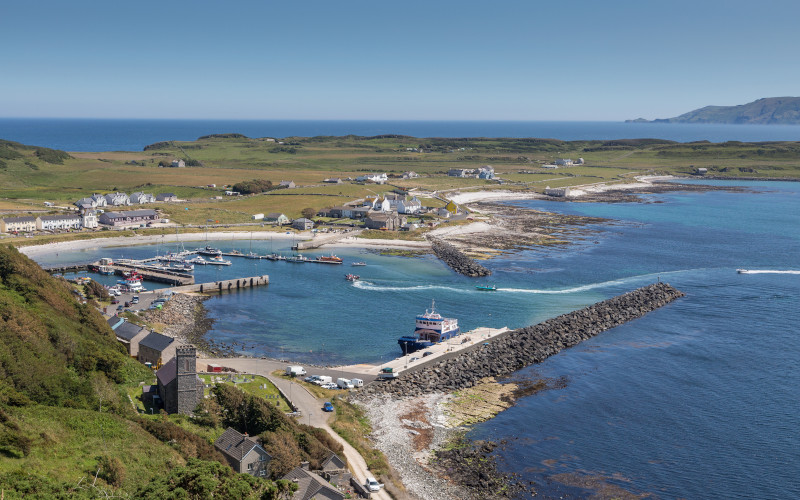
(766, 111)
(68, 428)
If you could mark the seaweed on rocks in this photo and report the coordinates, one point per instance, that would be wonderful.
(472, 465)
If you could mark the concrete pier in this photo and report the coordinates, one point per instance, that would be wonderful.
(221, 286)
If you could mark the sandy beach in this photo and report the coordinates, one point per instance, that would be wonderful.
(126, 241)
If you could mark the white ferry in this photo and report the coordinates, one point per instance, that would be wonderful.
(431, 328)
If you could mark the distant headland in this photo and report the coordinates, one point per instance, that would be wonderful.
(766, 111)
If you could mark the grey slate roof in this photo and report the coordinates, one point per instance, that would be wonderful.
(19, 219)
(60, 217)
(127, 330)
(333, 462)
(233, 443)
(114, 321)
(156, 341)
(130, 213)
(168, 372)
(309, 485)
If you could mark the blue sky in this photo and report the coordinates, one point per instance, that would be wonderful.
(445, 60)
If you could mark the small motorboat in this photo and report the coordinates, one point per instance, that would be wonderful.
(486, 288)
(358, 263)
(218, 260)
(352, 277)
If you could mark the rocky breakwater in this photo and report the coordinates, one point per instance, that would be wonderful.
(517, 349)
(456, 259)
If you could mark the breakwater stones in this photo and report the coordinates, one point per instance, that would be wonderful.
(456, 259)
(516, 349)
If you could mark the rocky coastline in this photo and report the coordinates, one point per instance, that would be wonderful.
(468, 466)
(519, 348)
(185, 318)
(457, 260)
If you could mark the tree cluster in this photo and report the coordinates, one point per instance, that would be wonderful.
(253, 186)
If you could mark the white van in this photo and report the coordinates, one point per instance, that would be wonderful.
(344, 383)
(323, 379)
(295, 371)
(357, 382)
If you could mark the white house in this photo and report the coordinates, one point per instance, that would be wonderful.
(486, 172)
(99, 200)
(410, 175)
(140, 197)
(89, 219)
(117, 199)
(54, 222)
(178, 163)
(376, 178)
(20, 224)
(287, 184)
(557, 192)
(411, 206)
(564, 162)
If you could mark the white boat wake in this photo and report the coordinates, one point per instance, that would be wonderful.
(765, 271)
(366, 285)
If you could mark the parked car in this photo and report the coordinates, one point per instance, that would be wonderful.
(413, 359)
(312, 379)
(114, 301)
(330, 385)
(426, 353)
(120, 307)
(327, 406)
(373, 484)
(135, 299)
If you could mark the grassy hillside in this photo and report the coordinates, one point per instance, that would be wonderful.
(67, 426)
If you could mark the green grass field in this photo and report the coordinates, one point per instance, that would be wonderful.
(28, 180)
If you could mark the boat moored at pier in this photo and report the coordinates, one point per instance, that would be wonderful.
(431, 328)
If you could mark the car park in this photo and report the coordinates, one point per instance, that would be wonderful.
(327, 406)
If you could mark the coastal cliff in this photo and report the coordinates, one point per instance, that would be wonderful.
(519, 348)
(766, 111)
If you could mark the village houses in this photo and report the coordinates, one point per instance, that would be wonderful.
(243, 453)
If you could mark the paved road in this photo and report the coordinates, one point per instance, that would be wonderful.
(308, 405)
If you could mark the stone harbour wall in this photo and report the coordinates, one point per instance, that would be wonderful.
(517, 349)
(456, 259)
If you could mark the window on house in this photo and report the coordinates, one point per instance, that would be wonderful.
(249, 466)
(262, 473)
(263, 458)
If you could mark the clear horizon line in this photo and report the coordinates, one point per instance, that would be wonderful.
(497, 120)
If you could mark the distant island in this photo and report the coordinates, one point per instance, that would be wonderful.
(766, 111)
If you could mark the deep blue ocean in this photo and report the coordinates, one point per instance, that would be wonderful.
(699, 399)
(132, 135)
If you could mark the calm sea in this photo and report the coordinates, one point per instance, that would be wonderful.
(133, 135)
(700, 399)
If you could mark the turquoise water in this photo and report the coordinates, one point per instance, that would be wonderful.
(700, 399)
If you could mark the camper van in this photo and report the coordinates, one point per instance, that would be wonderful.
(357, 382)
(295, 371)
(344, 383)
